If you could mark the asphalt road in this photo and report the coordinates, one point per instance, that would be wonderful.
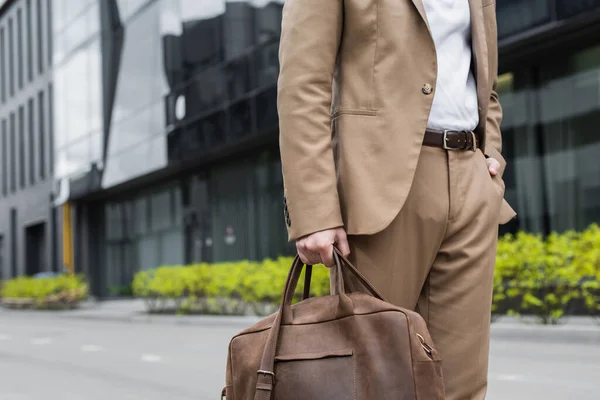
(44, 357)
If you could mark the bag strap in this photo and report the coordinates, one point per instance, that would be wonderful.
(266, 376)
(307, 278)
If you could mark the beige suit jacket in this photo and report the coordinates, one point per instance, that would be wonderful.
(353, 105)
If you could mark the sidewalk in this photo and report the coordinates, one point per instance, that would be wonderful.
(572, 329)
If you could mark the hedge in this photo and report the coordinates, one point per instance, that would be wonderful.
(230, 288)
(548, 277)
(542, 276)
(63, 291)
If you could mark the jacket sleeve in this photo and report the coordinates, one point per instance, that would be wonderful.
(310, 39)
(493, 145)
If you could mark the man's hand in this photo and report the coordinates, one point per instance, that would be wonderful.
(317, 248)
(493, 166)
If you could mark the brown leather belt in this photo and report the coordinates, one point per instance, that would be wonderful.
(451, 140)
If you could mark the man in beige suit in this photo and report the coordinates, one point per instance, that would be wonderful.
(391, 149)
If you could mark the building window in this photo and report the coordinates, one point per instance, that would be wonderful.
(22, 178)
(12, 153)
(49, 30)
(10, 58)
(20, 47)
(40, 37)
(4, 155)
(41, 135)
(29, 23)
(2, 67)
(51, 127)
(31, 140)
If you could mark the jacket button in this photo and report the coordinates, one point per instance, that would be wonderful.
(427, 88)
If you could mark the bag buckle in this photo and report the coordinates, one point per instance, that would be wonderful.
(269, 373)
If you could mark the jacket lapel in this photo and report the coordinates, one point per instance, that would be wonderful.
(419, 6)
(480, 55)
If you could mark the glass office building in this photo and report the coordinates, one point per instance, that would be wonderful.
(163, 123)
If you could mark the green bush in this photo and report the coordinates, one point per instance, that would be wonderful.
(545, 276)
(46, 292)
(540, 276)
(222, 287)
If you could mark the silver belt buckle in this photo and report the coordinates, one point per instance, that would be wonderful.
(445, 143)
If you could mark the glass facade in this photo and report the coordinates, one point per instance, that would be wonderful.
(550, 141)
(137, 137)
(143, 232)
(184, 91)
(77, 86)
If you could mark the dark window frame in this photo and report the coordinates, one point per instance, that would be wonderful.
(21, 130)
(2, 66)
(49, 34)
(4, 155)
(40, 37)
(31, 136)
(29, 23)
(41, 135)
(11, 64)
(12, 153)
(50, 125)
(20, 66)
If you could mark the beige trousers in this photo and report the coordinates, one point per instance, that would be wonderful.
(438, 257)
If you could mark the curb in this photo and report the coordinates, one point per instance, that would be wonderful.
(575, 330)
(205, 321)
(184, 320)
(588, 334)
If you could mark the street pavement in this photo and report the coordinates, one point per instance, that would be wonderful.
(45, 356)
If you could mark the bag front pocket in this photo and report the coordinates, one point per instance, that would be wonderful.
(321, 375)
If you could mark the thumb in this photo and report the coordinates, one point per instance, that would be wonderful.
(341, 241)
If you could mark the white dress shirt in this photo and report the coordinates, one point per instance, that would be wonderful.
(455, 96)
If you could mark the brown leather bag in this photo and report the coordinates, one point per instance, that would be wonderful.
(338, 347)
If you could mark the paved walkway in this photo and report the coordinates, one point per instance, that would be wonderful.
(571, 329)
(84, 355)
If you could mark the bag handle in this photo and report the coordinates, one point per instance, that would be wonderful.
(266, 376)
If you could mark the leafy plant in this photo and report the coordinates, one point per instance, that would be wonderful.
(46, 292)
(536, 275)
(546, 276)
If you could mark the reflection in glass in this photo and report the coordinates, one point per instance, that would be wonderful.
(138, 122)
(550, 143)
(517, 16)
(78, 110)
(570, 109)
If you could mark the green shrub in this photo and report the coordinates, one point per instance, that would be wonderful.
(543, 276)
(222, 287)
(587, 262)
(46, 292)
(536, 275)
